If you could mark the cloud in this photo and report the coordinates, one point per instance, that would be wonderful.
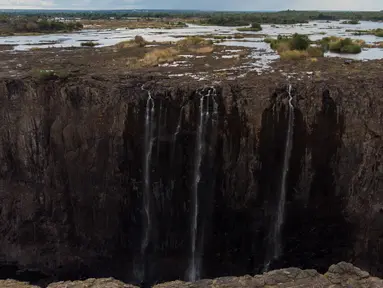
(198, 4)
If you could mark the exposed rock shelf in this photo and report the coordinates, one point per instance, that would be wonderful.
(338, 276)
(72, 175)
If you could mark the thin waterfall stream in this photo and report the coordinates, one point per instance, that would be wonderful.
(194, 265)
(148, 145)
(280, 216)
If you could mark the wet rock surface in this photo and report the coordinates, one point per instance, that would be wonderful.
(338, 276)
(72, 161)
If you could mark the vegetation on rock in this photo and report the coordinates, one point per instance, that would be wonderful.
(12, 25)
(193, 40)
(159, 56)
(340, 45)
(89, 44)
(253, 27)
(353, 22)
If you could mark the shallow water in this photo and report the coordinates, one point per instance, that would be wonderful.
(107, 37)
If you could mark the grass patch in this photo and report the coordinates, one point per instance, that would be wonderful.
(202, 50)
(294, 47)
(89, 44)
(378, 33)
(352, 22)
(219, 37)
(159, 56)
(255, 27)
(138, 41)
(315, 51)
(293, 54)
(238, 36)
(194, 41)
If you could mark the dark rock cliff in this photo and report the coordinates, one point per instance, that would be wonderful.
(72, 176)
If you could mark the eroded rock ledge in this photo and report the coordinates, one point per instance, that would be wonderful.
(339, 275)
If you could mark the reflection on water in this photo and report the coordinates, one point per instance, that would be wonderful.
(107, 37)
(368, 54)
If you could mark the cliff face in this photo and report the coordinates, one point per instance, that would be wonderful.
(112, 178)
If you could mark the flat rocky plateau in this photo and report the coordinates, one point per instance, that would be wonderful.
(339, 275)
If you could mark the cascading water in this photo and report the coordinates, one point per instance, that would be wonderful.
(194, 265)
(178, 129)
(277, 229)
(148, 145)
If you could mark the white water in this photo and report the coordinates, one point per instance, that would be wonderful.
(277, 231)
(178, 129)
(194, 266)
(149, 116)
(194, 261)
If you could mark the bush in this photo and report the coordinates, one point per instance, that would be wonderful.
(293, 55)
(335, 46)
(256, 26)
(299, 42)
(351, 49)
(379, 32)
(89, 44)
(345, 46)
(140, 41)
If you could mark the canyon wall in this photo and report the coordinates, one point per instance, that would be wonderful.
(97, 180)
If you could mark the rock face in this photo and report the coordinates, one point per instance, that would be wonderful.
(98, 181)
(338, 276)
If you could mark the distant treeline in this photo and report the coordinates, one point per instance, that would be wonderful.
(209, 18)
(10, 25)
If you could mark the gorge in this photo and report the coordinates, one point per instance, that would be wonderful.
(151, 179)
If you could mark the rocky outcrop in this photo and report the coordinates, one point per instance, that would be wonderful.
(72, 166)
(338, 276)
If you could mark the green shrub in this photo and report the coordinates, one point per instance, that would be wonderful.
(300, 42)
(379, 32)
(345, 46)
(351, 49)
(335, 46)
(295, 42)
(256, 26)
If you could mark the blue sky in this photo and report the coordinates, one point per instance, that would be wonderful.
(197, 4)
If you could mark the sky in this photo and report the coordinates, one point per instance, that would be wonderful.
(242, 5)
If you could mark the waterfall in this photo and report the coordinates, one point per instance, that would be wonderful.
(148, 145)
(280, 217)
(204, 114)
(178, 129)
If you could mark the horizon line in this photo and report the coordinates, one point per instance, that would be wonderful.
(164, 9)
